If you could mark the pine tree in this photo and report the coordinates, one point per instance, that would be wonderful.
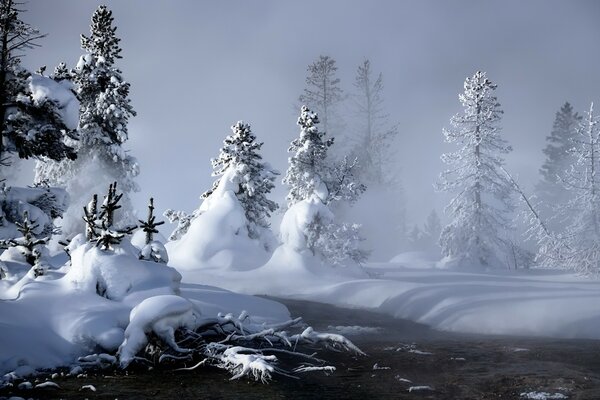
(254, 177)
(433, 227)
(578, 246)
(479, 211)
(373, 143)
(29, 127)
(323, 92)
(558, 157)
(310, 176)
(101, 227)
(105, 109)
(61, 73)
(308, 168)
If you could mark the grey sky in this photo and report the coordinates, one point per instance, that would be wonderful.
(196, 67)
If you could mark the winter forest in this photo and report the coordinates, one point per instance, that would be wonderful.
(177, 203)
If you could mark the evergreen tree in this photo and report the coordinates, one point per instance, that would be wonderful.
(558, 156)
(30, 126)
(309, 177)
(476, 235)
(433, 227)
(61, 73)
(105, 109)
(308, 168)
(578, 247)
(373, 144)
(323, 92)
(101, 227)
(254, 177)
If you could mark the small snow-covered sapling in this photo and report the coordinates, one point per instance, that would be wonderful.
(28, 244)
(149, 226)
(108, 235)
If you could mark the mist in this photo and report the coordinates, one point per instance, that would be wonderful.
(196, 68)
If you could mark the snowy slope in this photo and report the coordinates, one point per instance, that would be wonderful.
(537, 303)
(52, 320)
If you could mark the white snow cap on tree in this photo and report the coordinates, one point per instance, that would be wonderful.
(479, 211)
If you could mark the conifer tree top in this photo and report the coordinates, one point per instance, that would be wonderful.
(102, 41)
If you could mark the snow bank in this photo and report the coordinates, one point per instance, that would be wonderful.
(531, 303)
(162, 315)
(104, 301)
(218, 236)
(117, 274)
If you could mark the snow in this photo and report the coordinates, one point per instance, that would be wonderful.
(543, 396)
(354, 330)
(161, 315)
(538, 303)
(43, 89)
(419, 388)
(218, 236)
(103, 301)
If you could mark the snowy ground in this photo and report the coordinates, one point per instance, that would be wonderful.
(531, 302)
(52, 320)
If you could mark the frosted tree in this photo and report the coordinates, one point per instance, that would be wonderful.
(31, 248)
(61, 73)
(323, 93)
(374, 140)
(100, 227)
(311, 178)
(578, 246)
(105, 110)
(559, 159)
(31, 126)
(255, 178)
(479, 211)
(308, 168)
(153, 250)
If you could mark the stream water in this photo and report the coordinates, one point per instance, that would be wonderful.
(404, 360)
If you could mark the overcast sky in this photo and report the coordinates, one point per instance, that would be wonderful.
(196, 67)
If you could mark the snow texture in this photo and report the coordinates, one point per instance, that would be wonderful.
(526, 303)
(218, 237)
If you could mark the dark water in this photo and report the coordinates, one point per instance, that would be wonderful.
(453, 366)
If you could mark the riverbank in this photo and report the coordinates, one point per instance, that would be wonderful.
(404, 360)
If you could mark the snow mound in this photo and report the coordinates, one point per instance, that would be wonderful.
(218, 236)
(297, 218)
(117, 274)
(162, 315)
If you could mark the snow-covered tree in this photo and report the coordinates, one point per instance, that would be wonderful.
(105, 109)
(101, 228)
(308, 168)
(31, 248)
(323, 93)
(310, 177)
(479, 211)
(373, 143)
(183, 221)
(255, 177)
(559, 159)
(61, 72)
(153, 250)
(578, 247)
(30, 124)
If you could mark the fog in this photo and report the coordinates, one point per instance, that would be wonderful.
(198, 67)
